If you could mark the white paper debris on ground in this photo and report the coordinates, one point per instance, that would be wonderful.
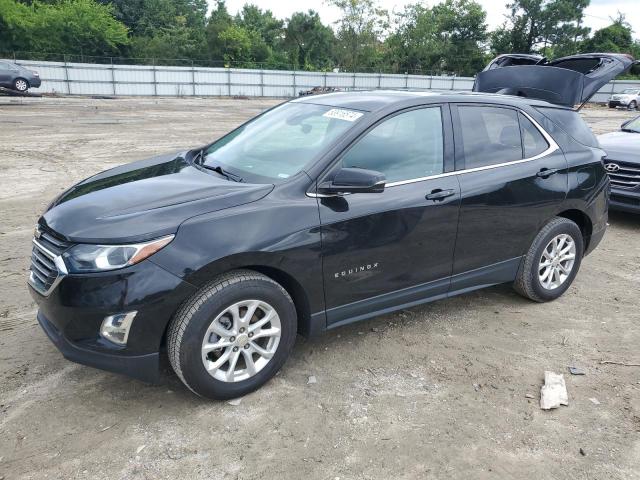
(312, 380)
(235, 402)
(594, 400)
(554, 391)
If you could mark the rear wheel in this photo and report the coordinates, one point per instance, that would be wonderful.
(633, 105)
(233, 335)
(552, 262)
(21, 85)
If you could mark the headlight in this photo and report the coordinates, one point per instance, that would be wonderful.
(85, 258)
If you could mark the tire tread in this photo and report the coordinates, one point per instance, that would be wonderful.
(181, 319)
(524, 280)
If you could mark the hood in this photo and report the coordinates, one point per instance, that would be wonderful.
(621, 146)
(618, 96)
(143, 200)
(565, 81)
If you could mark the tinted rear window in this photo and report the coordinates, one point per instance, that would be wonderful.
(490, 135)
(572, 123)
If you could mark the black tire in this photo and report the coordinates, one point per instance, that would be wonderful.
(189, 326)
(528, 282)
(633, 105)
(20, 84)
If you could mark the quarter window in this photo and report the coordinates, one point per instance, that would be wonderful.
(404, 147)
(532, 140)
(490, 135)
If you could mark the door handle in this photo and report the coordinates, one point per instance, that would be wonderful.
(546, 172)
(439, 194)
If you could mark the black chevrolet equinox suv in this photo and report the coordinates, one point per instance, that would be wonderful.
(320, 212)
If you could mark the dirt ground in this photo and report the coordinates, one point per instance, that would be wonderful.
(438, 391)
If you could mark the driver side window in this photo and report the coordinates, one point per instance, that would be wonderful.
(404, 147)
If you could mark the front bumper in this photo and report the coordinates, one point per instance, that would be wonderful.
(143, 367)
(625, 200)
(618, 103)
(35, 82)
(73, 312)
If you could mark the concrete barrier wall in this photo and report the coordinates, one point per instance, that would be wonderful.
(146, 80)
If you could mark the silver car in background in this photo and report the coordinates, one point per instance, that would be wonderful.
(628, 98)
(17, 77)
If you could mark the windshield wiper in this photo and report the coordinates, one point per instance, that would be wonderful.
(630, 130)
(225, 173)
(198, 159)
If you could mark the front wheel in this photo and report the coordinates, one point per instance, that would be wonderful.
(633, 105)
(233, 335)
(552, 262)
(21, 85)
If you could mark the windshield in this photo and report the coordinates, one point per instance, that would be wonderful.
(630, 91)
(632, 126)
(280, 143)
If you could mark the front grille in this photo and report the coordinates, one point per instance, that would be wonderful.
(43, 271)
(627, 176)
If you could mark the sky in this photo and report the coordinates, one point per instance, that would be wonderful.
(596, 15)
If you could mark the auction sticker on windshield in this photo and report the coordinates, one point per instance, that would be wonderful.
(342, 114)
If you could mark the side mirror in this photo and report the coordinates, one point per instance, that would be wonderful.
(354, 180)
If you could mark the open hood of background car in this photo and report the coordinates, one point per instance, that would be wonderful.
(566, 81)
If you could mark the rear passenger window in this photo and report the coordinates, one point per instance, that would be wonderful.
(404, 147)
(490, 135)
(572, 123)
(532, 140)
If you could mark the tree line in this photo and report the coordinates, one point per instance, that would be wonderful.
(449, 37)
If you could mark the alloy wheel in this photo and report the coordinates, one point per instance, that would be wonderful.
(21, 85)
(241, 341)
(556, 262)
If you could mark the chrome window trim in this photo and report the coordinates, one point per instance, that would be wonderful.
(553, 146)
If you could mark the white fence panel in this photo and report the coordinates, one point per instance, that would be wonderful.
(174, 75)
(339, 80)
(78, 88)
(308, 80)
(367, 81)
(98, 79)
(393, 81)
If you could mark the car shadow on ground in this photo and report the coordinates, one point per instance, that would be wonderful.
(625, 219)
(402, 322)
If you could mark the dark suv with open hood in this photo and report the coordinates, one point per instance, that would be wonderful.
(320, 212)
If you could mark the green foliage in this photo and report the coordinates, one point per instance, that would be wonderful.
(549, 27)
(308, 43)
(219, 21)
(359, 31)
(614, 38)
(264, 24)
(79, 26)
(446, 37)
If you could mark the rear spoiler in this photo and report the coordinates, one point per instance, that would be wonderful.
(567, 81)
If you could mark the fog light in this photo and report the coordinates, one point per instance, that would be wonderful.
(115, 328)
